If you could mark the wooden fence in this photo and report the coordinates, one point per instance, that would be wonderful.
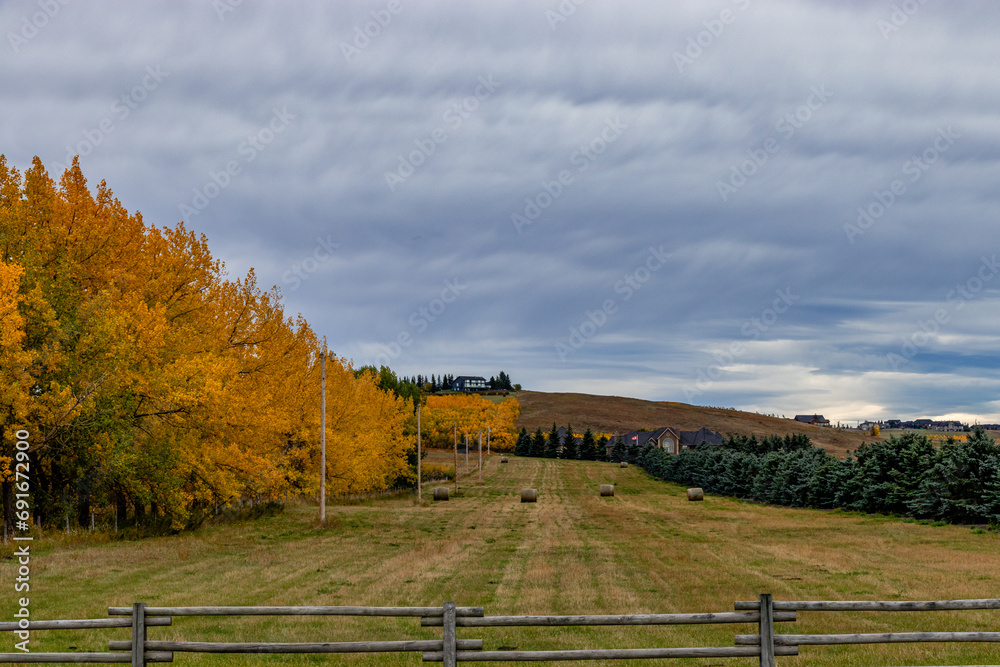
(450, 650)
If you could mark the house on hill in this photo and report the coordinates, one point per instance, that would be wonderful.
(469, 383)
(813, 419)
(668, 439)
(661, 438)
(699, 437)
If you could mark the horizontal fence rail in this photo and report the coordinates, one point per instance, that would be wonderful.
(297, 611)
(82, 657)
(609, 654)
(300, 647)
(85, 624)
(622, 619)
(942, 605)
(872, 638)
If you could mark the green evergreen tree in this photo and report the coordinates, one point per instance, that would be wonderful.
(570, 450)
(523, 446)
(619, 451)
(537, 444)
(552, 445)
(601, 450)
(588, 448)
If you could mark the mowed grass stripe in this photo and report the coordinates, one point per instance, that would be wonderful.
(645, 550)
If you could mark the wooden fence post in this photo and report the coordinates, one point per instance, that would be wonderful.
(450, 659)
(766, 630)
(139, 634)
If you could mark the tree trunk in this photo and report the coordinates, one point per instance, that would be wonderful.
(121, 505)
(8, 507)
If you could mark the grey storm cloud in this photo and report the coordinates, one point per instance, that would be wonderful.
(363, 156)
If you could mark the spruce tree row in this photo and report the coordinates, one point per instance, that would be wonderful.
(585, 448)
(958, 482)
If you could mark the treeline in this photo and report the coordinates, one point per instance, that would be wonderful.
(152, 385)
(569, 447)
(958, 482)
(433, 383)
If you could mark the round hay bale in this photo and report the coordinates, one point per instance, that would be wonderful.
(503, 459)
(607, 490)
(440, 493)
(624, 464)
(529, 495)
(696, 494)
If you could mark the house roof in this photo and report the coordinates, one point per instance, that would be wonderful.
(690, 438)
(808, 419)
(469, 377)
(641, 438)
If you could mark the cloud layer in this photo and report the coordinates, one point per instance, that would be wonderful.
(783, 207)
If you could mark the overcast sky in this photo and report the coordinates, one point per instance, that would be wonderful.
(781, 206)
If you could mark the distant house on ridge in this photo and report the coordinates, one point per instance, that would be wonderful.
(469, 383)
(813, 419)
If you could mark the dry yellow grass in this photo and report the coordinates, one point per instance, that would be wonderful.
(645, 550)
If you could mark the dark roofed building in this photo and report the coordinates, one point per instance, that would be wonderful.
(663, 438)
(701, 436)
(469, 383)
(812, 419)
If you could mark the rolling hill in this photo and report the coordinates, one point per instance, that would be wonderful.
(617, 414)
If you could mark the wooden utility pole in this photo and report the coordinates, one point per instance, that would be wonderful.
(418, 448)
(480, 456)
(456, 459)
(466, 450)
(488, 429)
(322, 435)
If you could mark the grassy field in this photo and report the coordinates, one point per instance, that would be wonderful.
(646, 550)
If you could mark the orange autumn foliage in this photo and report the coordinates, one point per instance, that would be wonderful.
(470, 414)
(149, 379)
